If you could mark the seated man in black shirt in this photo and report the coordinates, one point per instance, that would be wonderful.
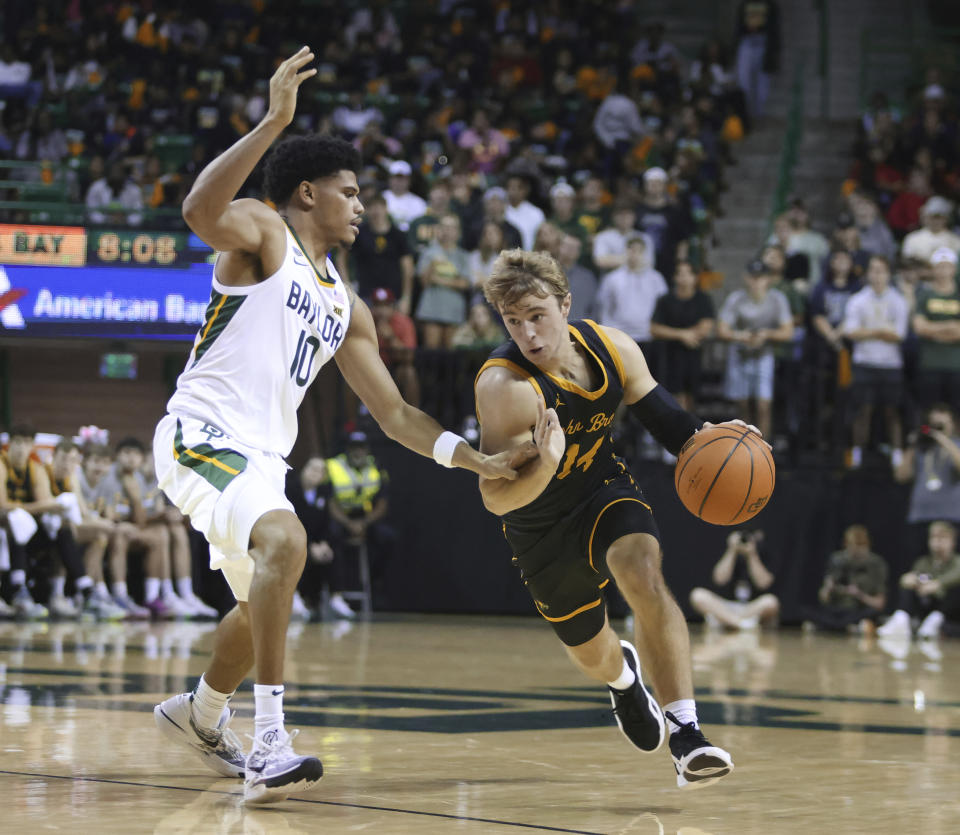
(738, 576)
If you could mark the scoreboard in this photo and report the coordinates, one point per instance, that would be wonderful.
(88, 282)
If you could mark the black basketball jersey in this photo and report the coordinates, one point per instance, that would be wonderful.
(20, 483)
(586, 418)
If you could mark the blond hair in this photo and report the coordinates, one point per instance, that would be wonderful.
(517, 273)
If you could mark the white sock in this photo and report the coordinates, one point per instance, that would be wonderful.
(166, 588)
(120, 588)
(685, 710)
(18, 577)
(185, 588)
(625, 680)
(83, 583)
(269, 706)
(57, 585)
(208, 704)
(101, 590)
(151, 589)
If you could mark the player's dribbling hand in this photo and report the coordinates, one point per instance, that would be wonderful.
(548, 434)
(285, 83)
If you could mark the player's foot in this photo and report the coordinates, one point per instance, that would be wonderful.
(178, 606)
(101, 607)
(218, 747)
(133, 609)
(7, 612)
(698, 763)
(159, 610)
(897, 626)
(930, 628)
(26, 607)
(636, 711)
(341, 608)
(199, 609)
(274, 771)
(299, 610)
(62, 608)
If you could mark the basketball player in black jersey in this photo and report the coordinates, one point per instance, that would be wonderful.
(575, 518)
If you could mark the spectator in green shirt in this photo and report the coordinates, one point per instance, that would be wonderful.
(854, 589)
(936, 321)
(930, 590)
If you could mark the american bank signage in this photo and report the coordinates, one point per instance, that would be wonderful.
(103, 302)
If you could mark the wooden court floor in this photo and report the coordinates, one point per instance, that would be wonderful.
(433, 724)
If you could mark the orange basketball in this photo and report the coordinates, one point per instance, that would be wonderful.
(725, 474)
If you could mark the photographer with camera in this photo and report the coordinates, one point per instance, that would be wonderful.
(930, 590)
(932, 462)
(738, 576)
(854, 589)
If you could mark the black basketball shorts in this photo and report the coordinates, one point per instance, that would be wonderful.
(565, 567)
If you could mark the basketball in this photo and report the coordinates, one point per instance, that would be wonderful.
(725, 474)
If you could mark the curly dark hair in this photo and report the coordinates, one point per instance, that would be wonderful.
(300, 158)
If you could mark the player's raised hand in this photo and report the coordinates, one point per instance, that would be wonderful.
(548, 434)
(285, 83)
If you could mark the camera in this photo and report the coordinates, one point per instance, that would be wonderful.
(924, 439)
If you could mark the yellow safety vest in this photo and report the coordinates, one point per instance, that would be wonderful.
(355, 489)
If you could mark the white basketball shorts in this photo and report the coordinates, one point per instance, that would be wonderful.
(223, 485)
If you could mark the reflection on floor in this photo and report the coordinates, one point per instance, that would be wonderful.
(433, 724)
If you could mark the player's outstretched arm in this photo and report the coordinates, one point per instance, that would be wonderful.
(656, 408)
(359, 362)
(209, 209)
(510, 411)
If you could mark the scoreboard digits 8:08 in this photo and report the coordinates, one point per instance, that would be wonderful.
(131, 246)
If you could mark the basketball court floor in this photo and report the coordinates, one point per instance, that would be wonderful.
(435, 724)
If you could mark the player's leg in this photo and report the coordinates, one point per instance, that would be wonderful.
(660, 628)
(662, 638)
(182, 565)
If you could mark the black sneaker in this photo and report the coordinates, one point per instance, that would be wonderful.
(636, 711)
(698, 763)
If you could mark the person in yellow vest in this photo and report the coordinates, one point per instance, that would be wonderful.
(359, 501)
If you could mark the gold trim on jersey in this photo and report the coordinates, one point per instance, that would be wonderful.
(321, 280)
(569, 385)
(213, 319)
(597, 522)
(500, 362)
(572, 614)
(611, 349)
(219, 464)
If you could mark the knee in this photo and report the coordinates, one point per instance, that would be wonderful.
(699, 598)
(279, 543)
(635, 563)
(770, 604)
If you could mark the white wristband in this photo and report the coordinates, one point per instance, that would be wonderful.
(443, 448)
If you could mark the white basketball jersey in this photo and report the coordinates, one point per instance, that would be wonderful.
(259, 349)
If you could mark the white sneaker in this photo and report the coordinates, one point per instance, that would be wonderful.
(62, 607)
(199, 609)
(274, 771)
(102, 607)
(299, 610)
(25, 606)
(897, 626)
(218, 747)
(134, 610)
(178, 606)
(341, 608)
(930, 628)
(750, 623)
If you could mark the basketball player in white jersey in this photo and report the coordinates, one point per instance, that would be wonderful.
(278, 311)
